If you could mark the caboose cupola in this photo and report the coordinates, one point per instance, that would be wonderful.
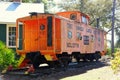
(76, 16)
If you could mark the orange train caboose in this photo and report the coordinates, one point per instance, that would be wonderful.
(45, 38)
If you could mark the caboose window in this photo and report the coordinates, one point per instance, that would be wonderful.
(86, 40)
(42, 27)
(73, 16)
(69, 34)
(99, 39)
(84, 19)
(11, 36)
(92, 38)
(79, 37)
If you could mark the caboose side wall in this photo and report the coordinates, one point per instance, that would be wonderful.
(69, 42)
(95, 39)
(88, 32)
(102, 40)
(79, 29)
(64, 36)
(99, 40)
(57, 28)
(88, 43)
(73, 44)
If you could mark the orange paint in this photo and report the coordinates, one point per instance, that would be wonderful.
(66, 26)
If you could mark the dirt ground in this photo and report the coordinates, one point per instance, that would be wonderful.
(99, 71)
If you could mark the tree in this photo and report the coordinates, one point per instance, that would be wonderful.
(117, 23)
(28, 1)
(48, 5)
(118, 34)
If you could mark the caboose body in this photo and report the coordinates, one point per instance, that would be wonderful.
(44, 38)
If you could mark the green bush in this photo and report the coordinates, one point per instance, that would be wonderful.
(109, 51)
(115, 63)
(7, 56)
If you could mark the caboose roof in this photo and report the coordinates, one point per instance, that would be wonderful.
(64, 15)
(34, 15)
(67, 13)
(10, 11)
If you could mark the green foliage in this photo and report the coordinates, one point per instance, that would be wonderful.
(109, 51)
(115, 63)
(28, 1)
(7, 56)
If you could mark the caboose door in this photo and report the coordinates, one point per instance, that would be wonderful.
(35, 35)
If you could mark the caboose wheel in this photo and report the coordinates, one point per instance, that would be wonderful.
(57, 63)
(76, 55)
(64, 61)
(36, 61)
(97, 56)
(91, 57)
(84, 59)
(36, 65)
(78, 59)
(51, 64)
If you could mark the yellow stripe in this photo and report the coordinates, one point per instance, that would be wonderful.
(48, 57)
(21, 59)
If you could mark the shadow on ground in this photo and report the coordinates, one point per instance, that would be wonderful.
(72, 70)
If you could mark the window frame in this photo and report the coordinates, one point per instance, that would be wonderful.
(69, 35)
(79, 36)
(86, 40)
(84, 19)
(7, 36)
(73, 16)
(92, 38)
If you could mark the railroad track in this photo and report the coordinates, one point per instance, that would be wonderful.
(46, 70)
